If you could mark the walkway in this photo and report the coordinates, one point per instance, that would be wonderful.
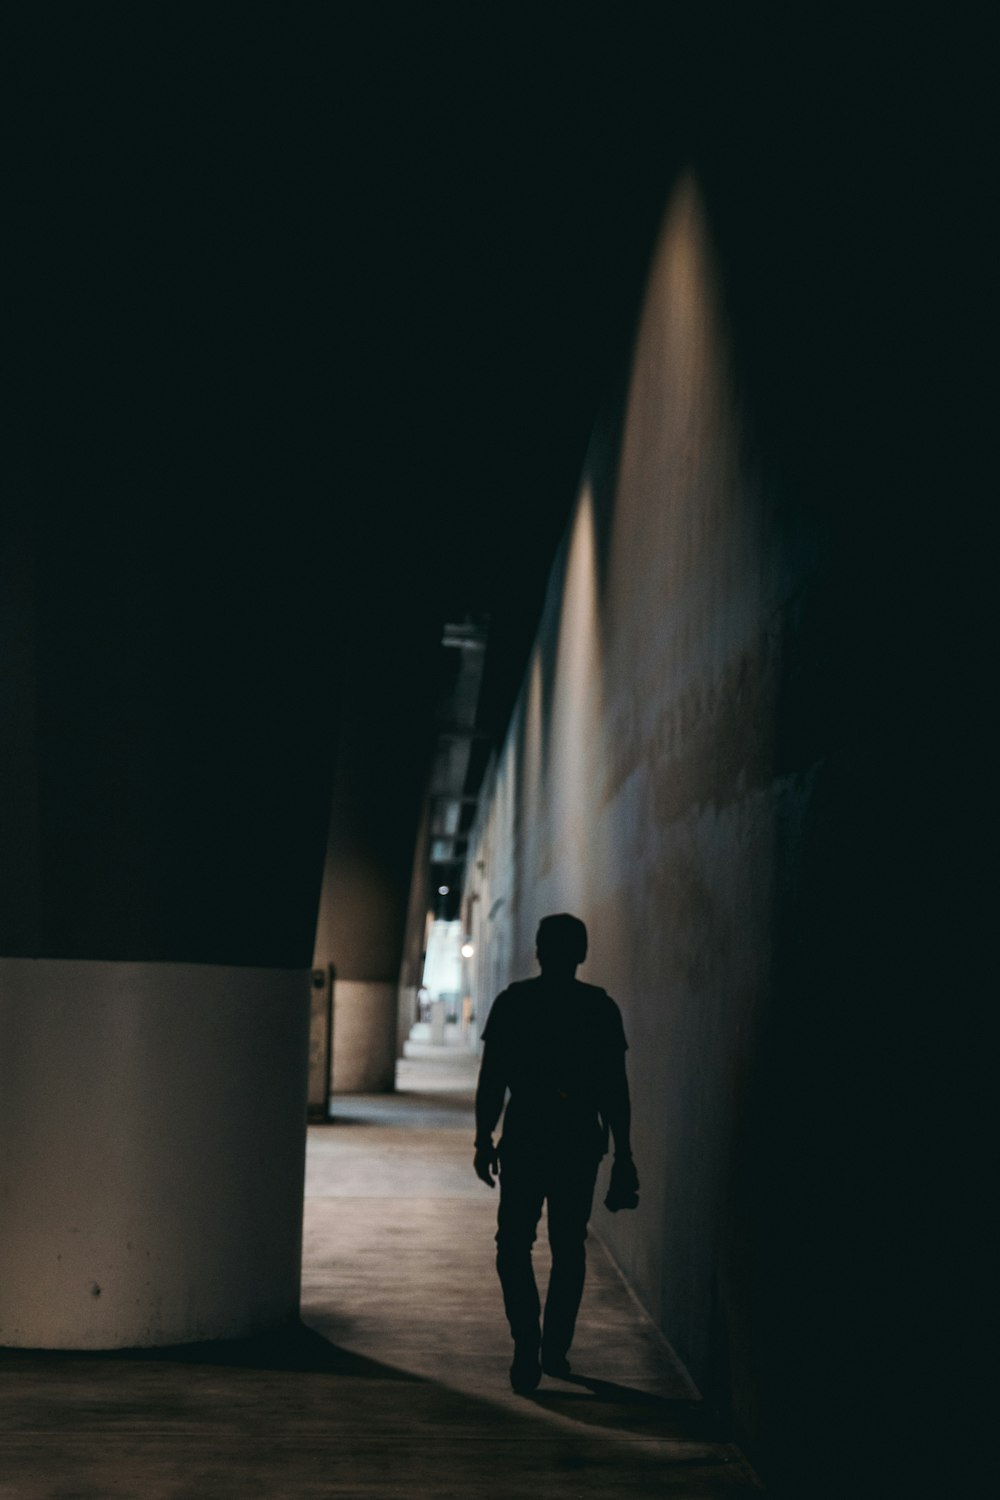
(398, 1385)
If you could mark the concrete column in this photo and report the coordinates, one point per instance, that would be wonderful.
(364, 1032)
(375, 811)
(152, 1116)
(360, 930)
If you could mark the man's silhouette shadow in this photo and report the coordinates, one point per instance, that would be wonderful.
(604, 1403)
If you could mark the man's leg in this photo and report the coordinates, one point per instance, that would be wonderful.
(570, 1200)
(522, 1192)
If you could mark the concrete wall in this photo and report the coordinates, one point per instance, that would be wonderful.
(152, 1119)
(638, 789)
(710, 763)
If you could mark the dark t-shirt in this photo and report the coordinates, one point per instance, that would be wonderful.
(558, 1045)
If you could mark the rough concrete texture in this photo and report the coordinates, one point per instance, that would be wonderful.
(398, 1386)
(638, 789)
(364, 1036)
(650, 785)
(152, 1120)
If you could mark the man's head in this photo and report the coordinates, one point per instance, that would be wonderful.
(561, 944)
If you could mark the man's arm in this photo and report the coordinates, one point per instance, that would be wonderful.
(617, 1107)
(623, 1189)
(490, 1093)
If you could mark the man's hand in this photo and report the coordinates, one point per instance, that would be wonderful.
(485, 1163)
(623, 1189)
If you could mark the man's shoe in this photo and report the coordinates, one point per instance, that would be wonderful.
(526, 1371)
(556, 1365)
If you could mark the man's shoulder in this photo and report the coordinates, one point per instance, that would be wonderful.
(605, 1015)
(592, 994)
(516, 993)
(508, 1005)
(527, 992)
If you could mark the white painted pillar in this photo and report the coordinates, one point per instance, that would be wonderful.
(152, 1149)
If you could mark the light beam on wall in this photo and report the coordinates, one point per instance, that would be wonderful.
(575, 745)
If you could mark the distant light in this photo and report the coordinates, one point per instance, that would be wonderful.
(443, 890)
(467, 950)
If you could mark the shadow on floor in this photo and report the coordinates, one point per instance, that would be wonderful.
(602, 1403)
(290, 1414)
(294, 1348)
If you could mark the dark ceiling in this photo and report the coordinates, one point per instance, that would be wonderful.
(341, 290)
(315, 318)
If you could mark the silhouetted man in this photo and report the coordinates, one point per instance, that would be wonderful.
(559, 1047)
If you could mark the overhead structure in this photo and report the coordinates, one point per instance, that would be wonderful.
(461, 753)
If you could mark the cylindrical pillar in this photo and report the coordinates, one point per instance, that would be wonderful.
(152, 1116)
(375, 809)
(169, 645)
(364, 1033)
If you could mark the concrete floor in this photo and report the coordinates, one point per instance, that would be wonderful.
(397, 1384)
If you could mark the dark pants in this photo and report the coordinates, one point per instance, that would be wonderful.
(567, 1184)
